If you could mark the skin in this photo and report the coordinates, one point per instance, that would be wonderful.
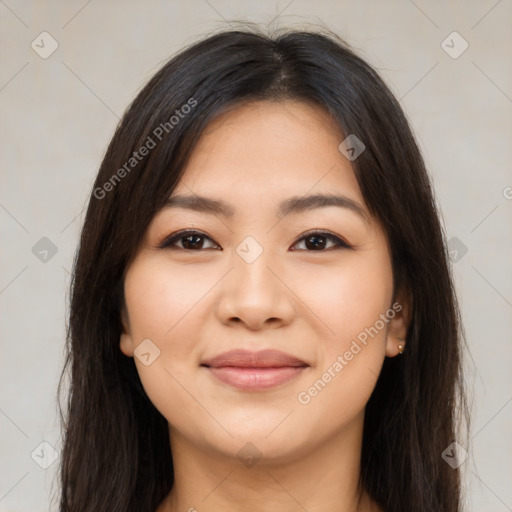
(197, 303)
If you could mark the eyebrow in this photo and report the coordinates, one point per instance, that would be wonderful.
(289, 206)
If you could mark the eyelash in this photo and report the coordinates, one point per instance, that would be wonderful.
(168, 242)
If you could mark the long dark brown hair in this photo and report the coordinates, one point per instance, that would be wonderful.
(116, 454)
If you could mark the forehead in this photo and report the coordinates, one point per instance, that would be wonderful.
(269, 150)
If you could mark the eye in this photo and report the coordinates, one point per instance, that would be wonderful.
(191, 240)
(317, 241)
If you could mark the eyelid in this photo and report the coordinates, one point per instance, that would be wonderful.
(341, 242)
(174, 237)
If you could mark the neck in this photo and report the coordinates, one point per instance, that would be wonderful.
(322, 479)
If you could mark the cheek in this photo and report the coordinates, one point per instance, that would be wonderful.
(351, 303)
(346, 299)
(160, 297)
(164, 306)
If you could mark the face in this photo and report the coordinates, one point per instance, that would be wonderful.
(263, 317)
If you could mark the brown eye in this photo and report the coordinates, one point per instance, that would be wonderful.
(190, 241)
(318, 240)
(315, 241)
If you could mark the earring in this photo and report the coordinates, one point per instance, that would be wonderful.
(401, 346)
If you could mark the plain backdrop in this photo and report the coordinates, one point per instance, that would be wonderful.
(59, 111)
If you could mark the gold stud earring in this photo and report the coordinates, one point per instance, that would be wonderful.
(401, 346)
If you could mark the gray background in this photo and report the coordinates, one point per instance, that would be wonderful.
(58, 114)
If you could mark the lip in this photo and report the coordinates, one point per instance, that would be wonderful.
(255, 371)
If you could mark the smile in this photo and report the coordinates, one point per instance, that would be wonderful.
(255, 371)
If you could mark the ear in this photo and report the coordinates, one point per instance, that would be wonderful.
(399, 324)
(126, 340)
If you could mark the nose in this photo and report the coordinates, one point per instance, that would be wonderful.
(256, 294)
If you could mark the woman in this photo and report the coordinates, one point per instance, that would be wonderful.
(262, 314)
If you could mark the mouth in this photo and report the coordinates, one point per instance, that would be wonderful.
(255, 371)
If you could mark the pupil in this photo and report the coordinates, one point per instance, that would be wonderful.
(188, 244)
(316, 244)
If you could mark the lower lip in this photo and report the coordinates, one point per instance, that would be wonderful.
(256, 379)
